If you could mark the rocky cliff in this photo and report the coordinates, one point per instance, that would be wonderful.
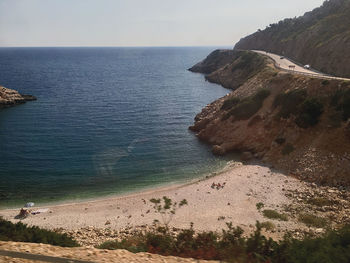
(230, 68)
(9, 97)
(320, 38)
(296, 123)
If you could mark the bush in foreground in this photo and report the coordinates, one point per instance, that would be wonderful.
(232, 246)
(22, 233)
(333, 247)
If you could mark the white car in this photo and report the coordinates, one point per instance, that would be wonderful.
(307, 66)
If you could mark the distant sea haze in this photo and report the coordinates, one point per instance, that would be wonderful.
(107, 121)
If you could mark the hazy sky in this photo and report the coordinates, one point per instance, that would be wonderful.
(139, 22)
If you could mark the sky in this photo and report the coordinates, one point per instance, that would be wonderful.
(140, 22)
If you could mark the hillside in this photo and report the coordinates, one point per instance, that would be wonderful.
(320, 38)
(230, 68)
(283, 119)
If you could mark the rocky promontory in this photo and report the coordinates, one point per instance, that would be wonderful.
(10, 97)
(296, 123)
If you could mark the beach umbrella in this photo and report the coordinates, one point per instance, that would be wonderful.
(30, 204)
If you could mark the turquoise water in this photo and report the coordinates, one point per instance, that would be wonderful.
(107, 121)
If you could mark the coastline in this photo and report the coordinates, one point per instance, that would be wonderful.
(218, 168)
(209, 209)
(171, 185)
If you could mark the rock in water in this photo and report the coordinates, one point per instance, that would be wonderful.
(10, 97)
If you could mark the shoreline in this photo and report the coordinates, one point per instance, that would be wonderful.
(142, 190)
(208, 208)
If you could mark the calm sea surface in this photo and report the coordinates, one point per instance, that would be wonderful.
(107, 121)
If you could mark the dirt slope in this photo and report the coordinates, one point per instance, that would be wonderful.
(281, 128)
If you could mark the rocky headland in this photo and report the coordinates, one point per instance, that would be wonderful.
(296, 123)
(10, 97)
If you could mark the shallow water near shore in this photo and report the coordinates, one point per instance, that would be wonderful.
(107, 121)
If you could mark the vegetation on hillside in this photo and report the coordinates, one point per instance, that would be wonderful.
(341, 103)
(331, 19)
(243, 109)
(20, 232)
(166, 208)
(232, 246)
(249, 62)
(318, 38)
(306, 110)
(235, 68)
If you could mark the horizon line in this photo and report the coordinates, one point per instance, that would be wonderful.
(114, 46)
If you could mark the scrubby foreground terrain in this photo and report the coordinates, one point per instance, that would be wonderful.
(85, 253)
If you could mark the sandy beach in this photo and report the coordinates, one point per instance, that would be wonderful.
(208, 208)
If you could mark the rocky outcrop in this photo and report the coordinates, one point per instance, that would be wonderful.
(230, 68)
(320, 38)
(215, 61)
(9, 97)
(293, 122)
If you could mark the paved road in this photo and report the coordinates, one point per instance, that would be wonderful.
(286, 64)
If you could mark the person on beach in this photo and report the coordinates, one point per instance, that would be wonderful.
(23, 213)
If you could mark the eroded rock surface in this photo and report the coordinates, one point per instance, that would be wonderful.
(10, 97)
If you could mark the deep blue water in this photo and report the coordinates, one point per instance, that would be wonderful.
(107, 121)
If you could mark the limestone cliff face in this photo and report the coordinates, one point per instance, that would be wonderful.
(298, 124)
(320, 38)
(9, 97)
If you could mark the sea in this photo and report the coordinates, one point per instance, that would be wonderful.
(107, 121)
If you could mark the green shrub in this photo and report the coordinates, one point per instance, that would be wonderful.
(273, 214)
(22, 233)
(310, 111)
(312, 220)
(288, 149)
(341, 102)
(295, 102)
(132, 244)
(166, 208)
(335, 119)
(325, 82)
(247, 107)
(249, 62)
(333, 247)
(268, 225)
(320, 201)
(232, 246)
(289, 102)
(259, 205)
(229, 103)
(280, 140)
